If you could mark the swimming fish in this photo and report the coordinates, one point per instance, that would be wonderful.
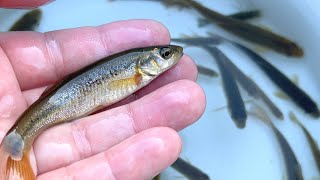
(248, 84)
(252, 88)
(242, 15)
(98, 85)
(189, 171)
(28, 22)
(206, 71)
(242, 29)
(312, 143)
(296, 94)
(234, 100)
(293, 167)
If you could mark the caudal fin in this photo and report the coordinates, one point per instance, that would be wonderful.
(15, 170)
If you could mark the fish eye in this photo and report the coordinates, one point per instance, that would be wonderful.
(165, 53)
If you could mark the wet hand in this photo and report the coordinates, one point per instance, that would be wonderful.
(135, 139)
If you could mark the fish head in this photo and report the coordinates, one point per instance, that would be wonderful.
(160, 59)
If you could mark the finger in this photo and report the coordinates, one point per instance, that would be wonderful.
(40, 59)
(141, 156)
(12, 102)
(185, 69)
(23, 4)
(175, 105)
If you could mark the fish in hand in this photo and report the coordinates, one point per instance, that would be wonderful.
(100, 84)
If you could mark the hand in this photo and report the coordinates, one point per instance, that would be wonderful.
(134, 139)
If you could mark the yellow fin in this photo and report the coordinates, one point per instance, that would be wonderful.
(117, 84)
(12, 169)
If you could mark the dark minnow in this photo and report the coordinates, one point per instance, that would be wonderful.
(297, 95)
(98, 85)
(247, 83)
(293, 167)
(242, 29)
(28, 22)
(312, 143)
(252, 88)
(206, 71)
(234, 100)
(242, 15)
(188, 170)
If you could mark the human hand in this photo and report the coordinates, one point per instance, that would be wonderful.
(126, 142)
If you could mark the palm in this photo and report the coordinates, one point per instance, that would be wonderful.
(118, 143)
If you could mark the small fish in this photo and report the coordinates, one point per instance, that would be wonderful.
(297, 95)
(206, 71)
(243, 15)
(234, 99)
(189, 171)
(28, 22)
(98, 85)
(252, 88)
(312, 143)
(243, 29)
(293, 167)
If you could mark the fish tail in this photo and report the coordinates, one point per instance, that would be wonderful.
(15, 169)
(3, 162)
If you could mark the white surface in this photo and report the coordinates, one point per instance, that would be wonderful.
(214, 144)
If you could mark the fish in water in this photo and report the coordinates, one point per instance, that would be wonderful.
(235, 102)
(252, 88)
(242, 15)
(98, 85)
(189, 171)
(312, 143)
(242, 29)
(206, 71)
(28, 22)
(296, 94)
(293, 167)
(247, 83)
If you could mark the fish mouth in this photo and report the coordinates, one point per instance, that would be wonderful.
(179, 51)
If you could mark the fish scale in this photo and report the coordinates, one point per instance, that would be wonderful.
(100, 84)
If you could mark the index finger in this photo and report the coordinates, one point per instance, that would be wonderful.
(41, 59)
